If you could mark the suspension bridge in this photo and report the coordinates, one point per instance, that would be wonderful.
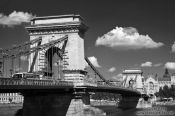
(50, 69)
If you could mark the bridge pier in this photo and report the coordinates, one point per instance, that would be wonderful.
(46, 105)
(128, 102)
(80, 102)
(86, 99)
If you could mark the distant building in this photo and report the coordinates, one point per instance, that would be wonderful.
(1, 69)
(165, 80)
(153, 83)
(173, 79)
(11, 98)
(133, 79)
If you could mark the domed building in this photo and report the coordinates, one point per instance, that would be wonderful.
(165, 80)
(152, 83)
(173, 79)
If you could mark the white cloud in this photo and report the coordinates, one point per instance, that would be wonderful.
(55, 64)
(150, 64)
(157, 65)
(15, 18)
(94, 61)
(86, 64)
(24, 58)
(112, 69)
(146, 64)
(18, 69)
(173, 47)
(118, 77)
(127, 38)
(170, 65)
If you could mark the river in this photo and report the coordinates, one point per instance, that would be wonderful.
(109, 110)
(156, 111)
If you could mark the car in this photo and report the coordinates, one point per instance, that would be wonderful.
(25, 75)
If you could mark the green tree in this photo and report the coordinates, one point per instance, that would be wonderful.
(160, 93)
(166, 91)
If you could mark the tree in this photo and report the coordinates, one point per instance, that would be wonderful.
(160, 93)
(166, 91)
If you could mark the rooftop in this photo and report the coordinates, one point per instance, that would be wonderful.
(57, 16)
(155, 77)
(58, 19)
(46, 23)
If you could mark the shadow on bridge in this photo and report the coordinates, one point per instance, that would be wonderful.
(45, 97)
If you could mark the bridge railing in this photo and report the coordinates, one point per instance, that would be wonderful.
(109, 84)
(103, 84)
(10, 81)
(90, 82)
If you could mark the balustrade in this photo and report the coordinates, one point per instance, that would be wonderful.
(10, 81)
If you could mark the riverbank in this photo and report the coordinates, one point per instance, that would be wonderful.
(109, 110)
(169, 103)
(9, 109)
(103, 103)
(11, 105)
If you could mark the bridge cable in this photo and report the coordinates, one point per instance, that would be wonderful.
(96, 71)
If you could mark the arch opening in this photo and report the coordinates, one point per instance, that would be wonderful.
(53, 63)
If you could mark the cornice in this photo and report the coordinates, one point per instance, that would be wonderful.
(52, 31)
(56, 28)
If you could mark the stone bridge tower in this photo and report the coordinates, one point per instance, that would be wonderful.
(133, 78)
(51, 28)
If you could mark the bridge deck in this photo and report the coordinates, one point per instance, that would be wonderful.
(22, 85)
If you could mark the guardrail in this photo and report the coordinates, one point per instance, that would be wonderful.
(109, 85)
(10, 81)
(102, 84)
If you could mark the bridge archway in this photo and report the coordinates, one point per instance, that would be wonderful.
(53, 62)
(131, 83)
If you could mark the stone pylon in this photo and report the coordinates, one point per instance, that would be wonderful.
(51, 28)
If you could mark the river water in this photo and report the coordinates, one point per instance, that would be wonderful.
(154, 111)
(109, 111)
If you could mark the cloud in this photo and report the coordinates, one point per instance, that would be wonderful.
(112, 69)
(15, 18)
(157, 65)
(118, 77)
(86, 64)
(173, 47)
(150, 64)
(170, 65)
(127, 38)
(24, 58)
(94, 61)
(146, 64)
(55, 64)
(18, 69)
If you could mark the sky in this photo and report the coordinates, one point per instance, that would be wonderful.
(122, 34)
